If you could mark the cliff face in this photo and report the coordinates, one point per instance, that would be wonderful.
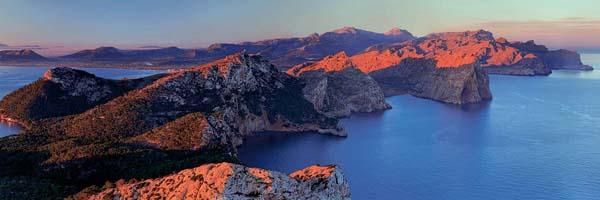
(565, 59)
(231, 181)
(337, 88)
(402, 71)
(421, 78)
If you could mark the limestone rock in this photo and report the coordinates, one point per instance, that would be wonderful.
(232, 181)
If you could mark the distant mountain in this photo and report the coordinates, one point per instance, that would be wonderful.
(101, 53)
(287, 52)
(114, 54)
(20, 56)
(150, 47)
(3, 45)
(284, 52)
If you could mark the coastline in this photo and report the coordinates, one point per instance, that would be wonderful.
(12, 122)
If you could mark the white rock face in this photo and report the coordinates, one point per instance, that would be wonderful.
(232, 181)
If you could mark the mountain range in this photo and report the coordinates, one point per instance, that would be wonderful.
(497, 55)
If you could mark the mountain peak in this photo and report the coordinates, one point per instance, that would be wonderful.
(346, 29)
(396, 31)
(23, 54)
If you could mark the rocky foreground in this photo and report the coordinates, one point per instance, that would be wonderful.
(232, 181)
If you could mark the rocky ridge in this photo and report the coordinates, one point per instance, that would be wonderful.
(232, 181)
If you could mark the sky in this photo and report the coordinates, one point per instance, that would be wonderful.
(73, 24)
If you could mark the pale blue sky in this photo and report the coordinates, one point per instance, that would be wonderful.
(199, 23)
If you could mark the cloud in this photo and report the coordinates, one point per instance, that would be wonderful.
(572, 32)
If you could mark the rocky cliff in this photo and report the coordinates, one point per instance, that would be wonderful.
(407, 71)
(231, 181)
(337, 88)
(421, 78)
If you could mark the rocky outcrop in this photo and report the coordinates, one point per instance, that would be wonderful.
(231, 181)
(337, 88)
(406, 71)
(564, 59)
(65, 91)
(24, 55)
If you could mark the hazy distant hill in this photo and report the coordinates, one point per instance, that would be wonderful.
(287, 52)
(20, 55)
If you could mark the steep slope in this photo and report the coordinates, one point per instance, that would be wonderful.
(421, 78)
(20, 56)
(64, 91)
(337, 88)
(231, 181)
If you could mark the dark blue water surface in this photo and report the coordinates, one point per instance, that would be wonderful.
(539, 138)
(12, 78)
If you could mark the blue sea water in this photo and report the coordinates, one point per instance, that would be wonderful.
(539, 138)
(12, 78)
